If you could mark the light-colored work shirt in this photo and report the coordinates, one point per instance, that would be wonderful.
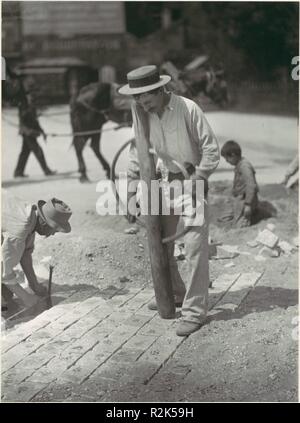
(182, 134)
(244, 183)
(17, 231)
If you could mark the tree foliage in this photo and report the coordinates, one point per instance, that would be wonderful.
(263, 34)
(266, 33)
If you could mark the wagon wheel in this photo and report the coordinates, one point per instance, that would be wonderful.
(113, 178)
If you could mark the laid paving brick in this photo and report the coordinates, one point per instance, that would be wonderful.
(116, 318)
(122, 334)
(127, 355)
(54, 393)
(84, 367)
(11, 339)
(134, 305)
(43, 335)
(80, 296)
(46, 374)
(87, 322)
(57, 311)
(157, 326)
(125, 392)
(145, 295)
(85, 392)
(69, 355)
(122, 297)
(246, 280)
(137, 320)
(99, 386)
(233, 298)
(112, 370)
(21, 393)
(141, 342)
(81, 345)
(70, 318)
(34, 360)
(55, 346)
(177, 368)
(162, 349)
(103, 351)
(15, 376)
(26, 368)
(221, 285)
(117, 301)
(75, 374)
(136, 294)
(145, 310)
(17, 354)
(55, 367)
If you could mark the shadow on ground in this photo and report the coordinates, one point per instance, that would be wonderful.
(259, 300)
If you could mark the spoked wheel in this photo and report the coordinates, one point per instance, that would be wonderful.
(166, 240)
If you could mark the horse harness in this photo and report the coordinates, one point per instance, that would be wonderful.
(103, 112)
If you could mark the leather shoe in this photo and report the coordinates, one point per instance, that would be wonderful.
(153, 304)
(186, 328)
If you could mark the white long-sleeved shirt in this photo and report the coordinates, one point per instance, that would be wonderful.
(18, 231)
(182, 134)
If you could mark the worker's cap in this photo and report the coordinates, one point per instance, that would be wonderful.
(56, 214)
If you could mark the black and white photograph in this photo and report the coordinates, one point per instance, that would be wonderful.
(150, 242)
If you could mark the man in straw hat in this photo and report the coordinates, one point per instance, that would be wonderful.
(20, 222)
(179, 132)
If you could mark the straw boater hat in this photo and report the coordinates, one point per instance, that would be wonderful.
(56, 214)
(143, 79)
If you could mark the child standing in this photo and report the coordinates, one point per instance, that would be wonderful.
(243, 205)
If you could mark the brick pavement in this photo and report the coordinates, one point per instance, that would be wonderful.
(93, 347)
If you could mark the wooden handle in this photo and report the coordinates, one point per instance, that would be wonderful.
(158, 251)
(50, 280)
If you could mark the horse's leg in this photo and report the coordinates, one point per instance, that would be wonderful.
(95, 145)
(79, 143)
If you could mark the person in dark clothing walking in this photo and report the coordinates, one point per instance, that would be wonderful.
(241, 208)
(30, 129)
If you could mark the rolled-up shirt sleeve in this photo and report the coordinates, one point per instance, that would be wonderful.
(207, 142)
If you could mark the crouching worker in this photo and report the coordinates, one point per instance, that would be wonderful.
(240, 209)
(20, 222)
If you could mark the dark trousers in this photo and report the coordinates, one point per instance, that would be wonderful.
(30, 144)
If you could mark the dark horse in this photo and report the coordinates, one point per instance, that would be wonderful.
(95, 104)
